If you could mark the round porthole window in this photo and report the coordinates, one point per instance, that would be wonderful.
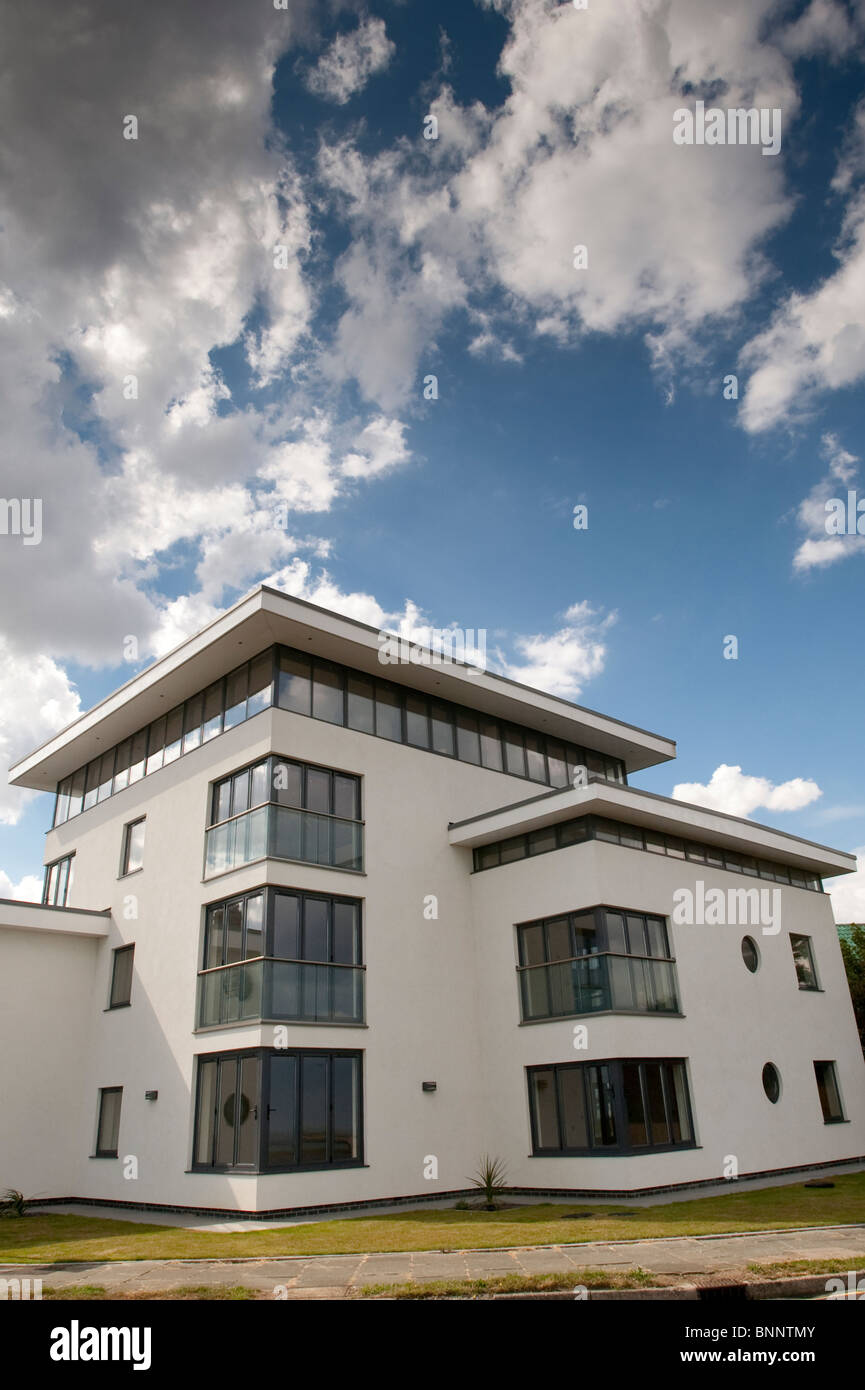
(771, 1082)
(750, 954)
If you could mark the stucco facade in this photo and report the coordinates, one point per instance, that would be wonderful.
(439, 958)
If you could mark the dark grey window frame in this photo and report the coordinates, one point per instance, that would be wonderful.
(748, 943)
(146, 745)
(598, 912)
(812, 985)
(125, 871)
(103, 1092)
(270, 762)
(73, 790)
(55, 864)
(126, 950)
(628, 836)
(397, 698)
(270, 893)
(620, 1115)
(829, 1119)
(771, 1080)
(264, 1056)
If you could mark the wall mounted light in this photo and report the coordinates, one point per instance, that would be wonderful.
(428, 1085)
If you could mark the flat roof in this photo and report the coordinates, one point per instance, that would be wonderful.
(637, 807)
(266, 616)
(17, 915)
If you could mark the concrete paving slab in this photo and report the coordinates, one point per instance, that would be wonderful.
(319, 1276)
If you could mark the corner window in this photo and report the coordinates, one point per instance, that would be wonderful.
(598, 960)
(282, 954)
(58, 882)
(272, 1111)
(803, 959)
(132, 858)
(283, 809)
(108, 1126)
(830, 1095)
(612, 1106)
(121, 977)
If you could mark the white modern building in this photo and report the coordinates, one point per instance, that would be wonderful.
(322, 931)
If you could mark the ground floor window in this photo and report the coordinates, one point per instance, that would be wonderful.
(830, 1095)
(108, 1123)
(274, 1110)
(614, 1106)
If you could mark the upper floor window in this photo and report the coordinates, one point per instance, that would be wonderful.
(339, 695)
(228, 701)
(610, 1106)
(803, 959)
(284, 809)
(132, 854)
(595, 960)
(121, 977)
(58, 882)
(583, 828)
(830, 1095)
(282, 954)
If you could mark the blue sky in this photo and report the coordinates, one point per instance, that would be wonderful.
(303, 385)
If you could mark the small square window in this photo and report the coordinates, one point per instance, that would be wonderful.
(133, 847)
(121, 977)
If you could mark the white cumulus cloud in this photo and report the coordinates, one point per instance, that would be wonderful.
(736, 793)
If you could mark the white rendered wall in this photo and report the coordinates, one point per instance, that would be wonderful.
(441, 996)
(46, 1016)
(421, 993)
(734, 1022)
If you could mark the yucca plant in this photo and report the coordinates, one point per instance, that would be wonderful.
(13, 1203)
(490, 1178)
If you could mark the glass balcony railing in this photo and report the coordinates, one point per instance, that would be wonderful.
(589, 984)
(286, 990)
(281, 832)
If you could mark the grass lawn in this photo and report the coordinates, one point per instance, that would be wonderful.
(95, 1293)
(45, 1238)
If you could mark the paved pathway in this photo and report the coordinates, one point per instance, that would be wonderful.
(333, 1276)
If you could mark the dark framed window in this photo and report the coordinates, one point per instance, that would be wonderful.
(803, 959)
(829, 1092)
(280, 808)
(612, 1106)
(239, 696)
(132, 855)
(612, 832)
(273, 1110)
(599, 959)
(58, 882)
(341, 695)
(321, 689)
(772, 1082)
(280, 953)
(121, 977)
(750, 953)
(108, 1122)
